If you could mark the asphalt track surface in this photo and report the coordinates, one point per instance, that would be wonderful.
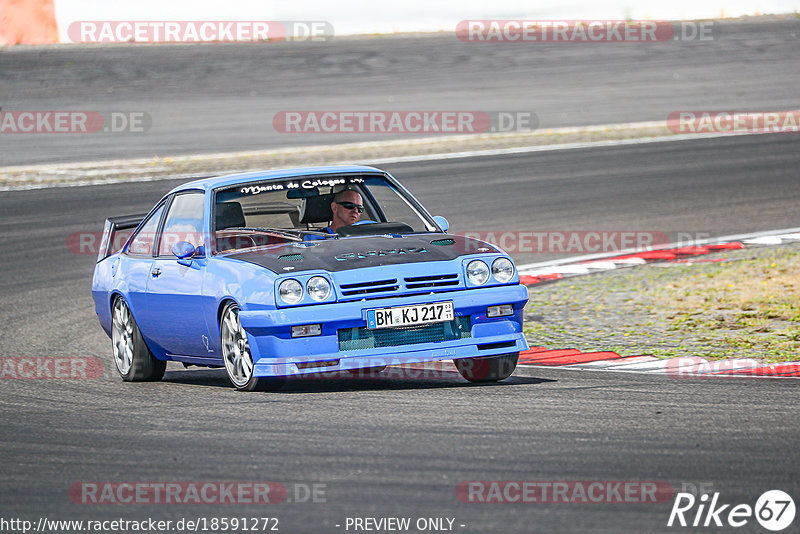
(386, 447)
(216, 98)
(394, 446)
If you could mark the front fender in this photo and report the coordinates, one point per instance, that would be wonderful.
(251, 287)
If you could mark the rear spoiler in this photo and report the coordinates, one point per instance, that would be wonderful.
(112, 239)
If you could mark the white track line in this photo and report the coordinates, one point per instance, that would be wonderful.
(614, 364)
(378, 161)
(766, 240)
(549, 148)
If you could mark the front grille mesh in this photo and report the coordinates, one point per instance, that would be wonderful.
(410, 283)
(438, 280)
(364, 338)
(365, 288)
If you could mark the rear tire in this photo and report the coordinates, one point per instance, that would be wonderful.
(134, 361)
(489, 368)
(237, 357)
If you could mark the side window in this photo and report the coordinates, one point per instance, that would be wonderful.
(142, 242)
(184, 222)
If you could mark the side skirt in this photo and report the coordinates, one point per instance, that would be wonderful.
(197, 360)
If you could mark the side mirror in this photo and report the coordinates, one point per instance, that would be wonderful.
(182, 250)
(442, 222)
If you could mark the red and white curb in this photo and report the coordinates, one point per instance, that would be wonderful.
(535, 273)
(681, 367)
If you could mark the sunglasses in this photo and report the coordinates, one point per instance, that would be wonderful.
(351, 206)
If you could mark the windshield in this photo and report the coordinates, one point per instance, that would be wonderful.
(275, 212)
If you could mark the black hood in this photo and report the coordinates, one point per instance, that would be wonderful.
(359, 252)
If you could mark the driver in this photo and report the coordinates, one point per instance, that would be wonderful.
(347, 208)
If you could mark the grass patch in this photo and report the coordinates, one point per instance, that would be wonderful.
(747, 306)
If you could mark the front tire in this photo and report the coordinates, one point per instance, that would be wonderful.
(487, 369)
(236, 354)
(134, 361)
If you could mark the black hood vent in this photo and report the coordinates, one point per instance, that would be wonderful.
(291, 257)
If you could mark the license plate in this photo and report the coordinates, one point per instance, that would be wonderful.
(417, 314)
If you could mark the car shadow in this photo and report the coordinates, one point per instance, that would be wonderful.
(198, 377)
(381, 382)
(393, 378)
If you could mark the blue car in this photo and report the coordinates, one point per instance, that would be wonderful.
(250, 272)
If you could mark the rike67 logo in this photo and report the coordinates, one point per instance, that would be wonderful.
(774, 510)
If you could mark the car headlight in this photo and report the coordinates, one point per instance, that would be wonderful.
(477, 272)
(290, 291)
(503, 270)
(318, 288)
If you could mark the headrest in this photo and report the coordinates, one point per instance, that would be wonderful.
(229, 215)
(316, 209)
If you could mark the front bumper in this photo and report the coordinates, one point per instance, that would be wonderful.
(276, 353)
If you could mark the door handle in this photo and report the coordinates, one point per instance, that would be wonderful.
(155, 272)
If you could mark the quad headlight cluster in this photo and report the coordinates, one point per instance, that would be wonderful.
(478, 273)
(290, 291)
